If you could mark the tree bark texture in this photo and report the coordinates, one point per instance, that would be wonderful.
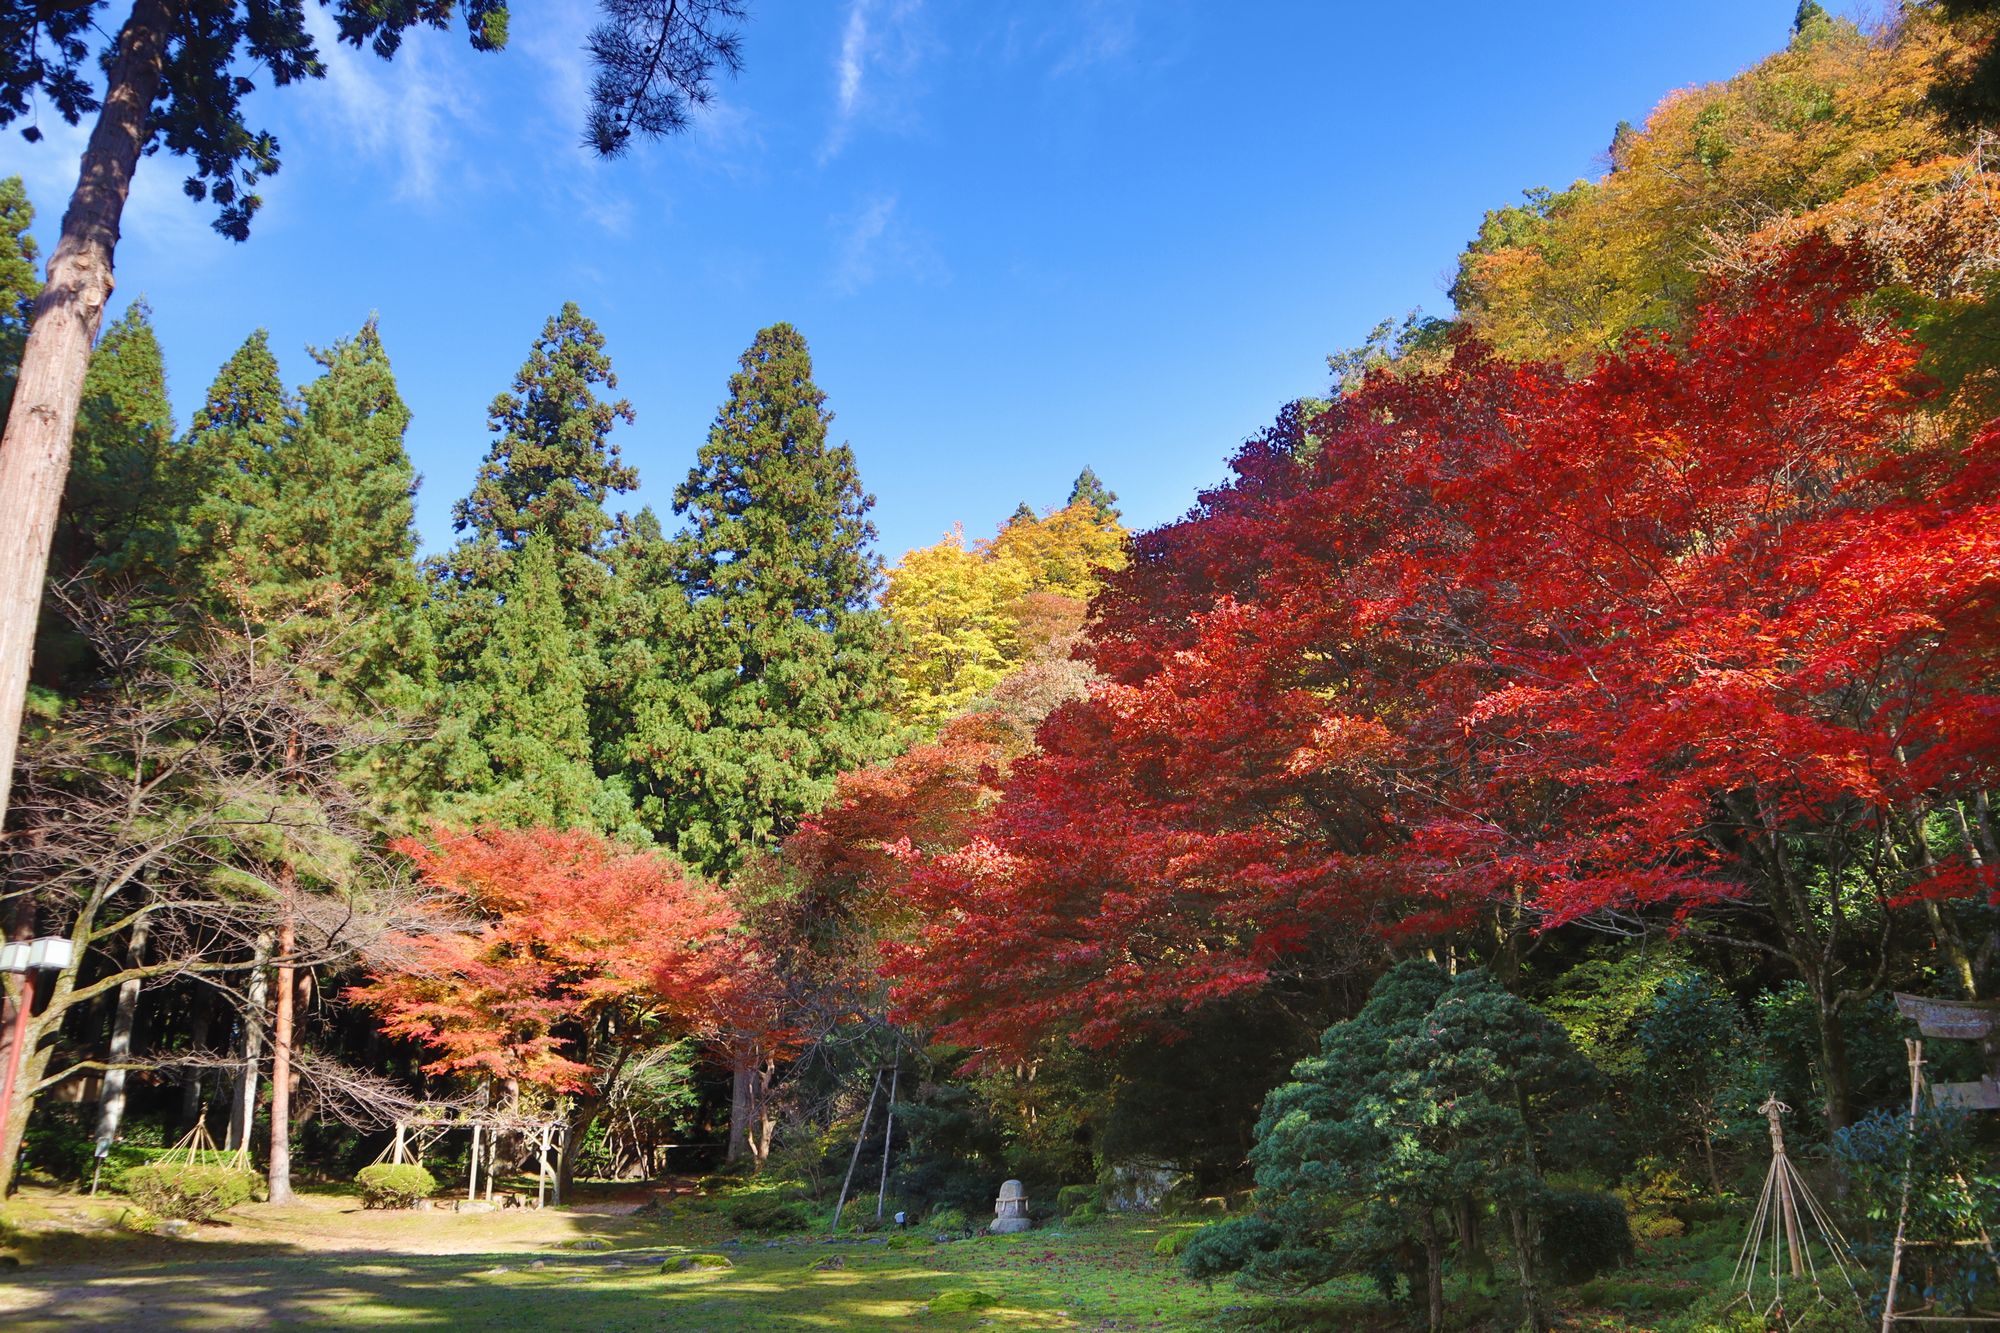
(243, 1106)
(111, 1104)
(280, 1167)
(35, 448)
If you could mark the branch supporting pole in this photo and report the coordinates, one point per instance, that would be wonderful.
(1916, 1054)
(854, 1160)
(472, 1168)
(888, 1137)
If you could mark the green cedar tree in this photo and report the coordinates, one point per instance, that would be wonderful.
(785, 679)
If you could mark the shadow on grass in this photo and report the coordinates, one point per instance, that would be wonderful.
(263, 1286)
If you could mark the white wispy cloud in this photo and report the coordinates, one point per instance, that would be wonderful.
(876, 240)
(1095, 32)
(410, 114)
(882, 45)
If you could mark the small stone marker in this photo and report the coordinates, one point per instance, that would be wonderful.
(1010, 1210)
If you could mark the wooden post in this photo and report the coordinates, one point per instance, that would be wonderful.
(888, 1137)
(859, 1139)
(541, 1166)
(559, 1139)
(398, 1159)
(472, 1168)
(492, 1161)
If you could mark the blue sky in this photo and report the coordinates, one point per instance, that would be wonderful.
(1020, 238)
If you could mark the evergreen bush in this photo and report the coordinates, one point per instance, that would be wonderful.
(766, 1214)
(950, 1221)
(1584, 1233)
(1070, 1198)
(192, 1193)
(395, 1185)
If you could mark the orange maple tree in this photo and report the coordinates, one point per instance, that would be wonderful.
(553, 953)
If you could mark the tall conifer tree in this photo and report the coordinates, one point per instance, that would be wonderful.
(553, 466)
(786, 675)
(243, 421)
(115, 512)
(1092, 492)
(311, 504)
(523, 703)
(545, 483)
(20, 281)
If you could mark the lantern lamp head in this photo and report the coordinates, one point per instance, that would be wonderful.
(14, 956)
(51, 953)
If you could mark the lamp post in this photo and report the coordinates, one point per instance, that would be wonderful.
(50, 953)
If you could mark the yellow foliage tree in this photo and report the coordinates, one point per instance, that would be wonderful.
(1062, 552)
(1567, 275)
(953, 609)
(968, 616)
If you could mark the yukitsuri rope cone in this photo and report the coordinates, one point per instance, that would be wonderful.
(197, 1147)
(1781, 1246)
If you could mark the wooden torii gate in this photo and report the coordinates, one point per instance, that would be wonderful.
(423, 1126)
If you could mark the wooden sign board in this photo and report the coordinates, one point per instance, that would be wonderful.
(1953, 1020)
(1981, 1096)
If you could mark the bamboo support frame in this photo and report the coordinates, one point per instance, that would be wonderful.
(1904, 1241)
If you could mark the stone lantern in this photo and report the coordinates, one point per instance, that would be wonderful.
(1010, 1210)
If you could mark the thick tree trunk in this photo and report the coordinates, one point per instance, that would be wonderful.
(581, 1118)
(111, 1105)
(1833, 1061)
(281, 1070)
(34, 451)
(1433, 1272)
(243, 1106)
(1534, 1312)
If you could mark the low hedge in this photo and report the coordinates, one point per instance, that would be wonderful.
(190, 1193)
(767, 1215)
(395, 1185)
(1070, 1198)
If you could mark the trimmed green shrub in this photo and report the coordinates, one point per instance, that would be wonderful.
(768, 1215)
(1072, 1197)
(1584, 1234)
(951, 1221)
(697, 1263)
(1170, 1245)
(395, 1185)
(190, 1193)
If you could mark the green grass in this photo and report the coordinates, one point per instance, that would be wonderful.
(325, 1264)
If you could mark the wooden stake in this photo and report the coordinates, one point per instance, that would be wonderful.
(541, 1166)
(472, 1173)
(859, 1139)
(888, 1136)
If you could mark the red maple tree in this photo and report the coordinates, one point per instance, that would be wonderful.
(1501, 646)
